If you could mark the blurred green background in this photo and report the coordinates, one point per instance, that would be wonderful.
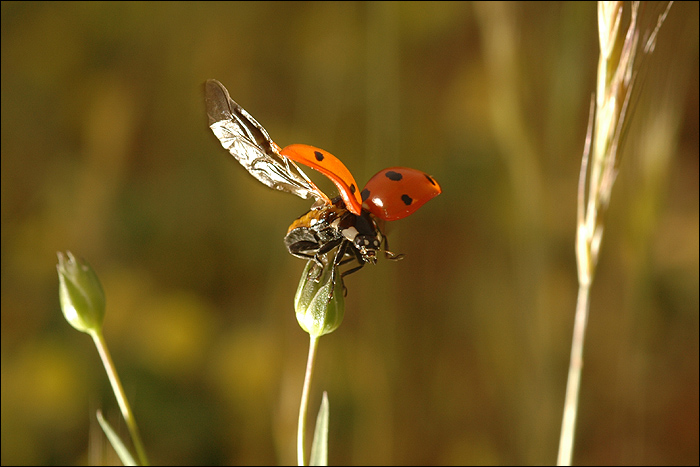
(456, 355)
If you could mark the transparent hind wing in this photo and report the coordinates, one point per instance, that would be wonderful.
(251, 145)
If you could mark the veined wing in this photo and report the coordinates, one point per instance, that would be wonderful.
(250, 144)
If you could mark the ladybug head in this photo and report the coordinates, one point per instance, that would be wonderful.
(368, 245)
(364, 235)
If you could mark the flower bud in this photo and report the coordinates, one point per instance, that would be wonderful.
(81, 295)
(320, 302)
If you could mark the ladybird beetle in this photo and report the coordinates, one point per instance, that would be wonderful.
(349, 222)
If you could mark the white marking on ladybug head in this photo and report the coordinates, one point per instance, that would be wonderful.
(350, 233)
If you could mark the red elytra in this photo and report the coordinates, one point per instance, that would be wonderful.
(391, 194)
(397, 192)
(330, 166)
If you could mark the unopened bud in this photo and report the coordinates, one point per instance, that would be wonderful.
(81, 295)
(320, 301)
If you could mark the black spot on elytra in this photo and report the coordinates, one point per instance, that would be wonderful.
(353, 189)
(430, 179)
(365, 195)
(393, 176)
(407, 200)
(319, 155)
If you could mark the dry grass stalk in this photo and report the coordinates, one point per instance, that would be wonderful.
(617, 72)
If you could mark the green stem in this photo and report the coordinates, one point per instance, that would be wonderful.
(573, 383)
(120, 395)
(303, 408)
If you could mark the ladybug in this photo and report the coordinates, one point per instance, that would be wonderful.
(349, 222)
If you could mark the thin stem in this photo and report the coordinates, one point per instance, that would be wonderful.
(573, 383)
(303, 408)
(618, 67)
(120, 395)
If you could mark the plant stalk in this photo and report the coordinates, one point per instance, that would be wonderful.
(120, 395)
(303, 407)
(573, 383)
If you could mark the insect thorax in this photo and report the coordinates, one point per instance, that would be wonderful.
(320, 230)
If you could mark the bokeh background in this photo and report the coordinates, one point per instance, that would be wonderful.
(457, 354)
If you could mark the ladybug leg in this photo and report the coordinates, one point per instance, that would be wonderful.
(360, 262)
(393, 256)
(322, 251)
(355, 269)
(337, 261)
(357, 256)
(299, 250)
(388, 254)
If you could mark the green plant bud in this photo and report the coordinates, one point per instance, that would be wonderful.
(81, 295)
(320, 303)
